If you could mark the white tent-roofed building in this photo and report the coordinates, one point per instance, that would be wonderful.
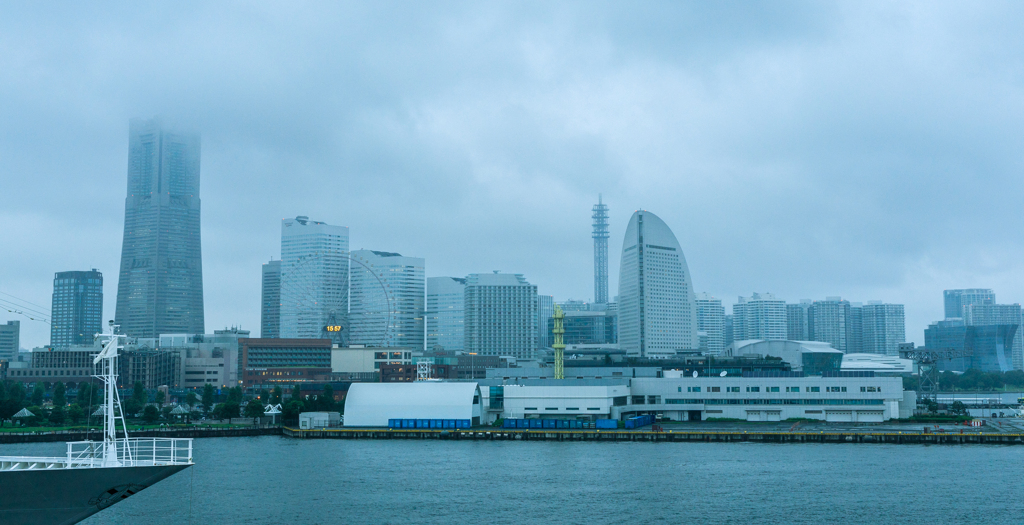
(373, 404)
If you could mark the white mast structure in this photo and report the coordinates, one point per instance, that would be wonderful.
(107, 359)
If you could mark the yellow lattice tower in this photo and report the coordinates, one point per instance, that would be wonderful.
(559, 346)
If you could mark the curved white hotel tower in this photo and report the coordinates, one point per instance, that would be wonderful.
(657, 306)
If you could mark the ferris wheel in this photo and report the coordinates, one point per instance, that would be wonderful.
(315, 294)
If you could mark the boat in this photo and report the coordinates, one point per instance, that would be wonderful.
(93, 475)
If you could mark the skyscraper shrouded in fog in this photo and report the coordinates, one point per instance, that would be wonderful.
(160, 284)
(600, 235)
(711, 321)
(501, 315)
(955, 300)
(657, 307)
(76, 314)
(760, 316)
(446, 313)
(314, 280)
(381, 280)
(270, 313)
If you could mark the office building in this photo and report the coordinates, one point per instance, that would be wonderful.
(600, 235)
(501, 315)
(586, 328)
(855, 329)
(883, 328)
(827, 320)
(270, 313)
(446, 313)
(956, 300)
(387, 301)
(160, 285)
(711, 321)
(545, 311)
(76, 314)
(314, 280)
(997, 314)
(989, 347)
(206, 358)
(269, 362)
(796, 321)
(657, 309)
(760, 316)
(10, 340)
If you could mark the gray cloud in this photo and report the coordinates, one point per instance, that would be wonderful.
(856, 149)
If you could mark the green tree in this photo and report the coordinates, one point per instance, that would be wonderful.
(254, 409)
(290, 411)
(931, 406)
(208, 394)
(166, 412)
(228, 410)
(958, 408)
(57, 416)
(191, 399)
(326, 401)
(75, 413)
(83, 398)
(235, 395)
(264, 396)
(37, 394)
(139, 394)
(296, 394)
(275, 395)
(160, 397)
(150, 414)
(60, 395)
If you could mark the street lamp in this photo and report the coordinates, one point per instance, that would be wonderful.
(472, 365)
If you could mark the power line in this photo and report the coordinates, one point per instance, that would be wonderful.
(11, 305)
(22, 300)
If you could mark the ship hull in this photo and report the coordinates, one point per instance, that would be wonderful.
(63, 496)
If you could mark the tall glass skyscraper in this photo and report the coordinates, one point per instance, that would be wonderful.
(657, 308)
(446, 313)
(270, 313)
(955, 300)
(314, 280)
(383, 280)
(160, 285)
(77, 308)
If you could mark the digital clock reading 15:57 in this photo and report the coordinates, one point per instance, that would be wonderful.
(333, 328)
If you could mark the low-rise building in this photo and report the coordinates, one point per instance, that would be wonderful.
(358, 359)
(272, 362)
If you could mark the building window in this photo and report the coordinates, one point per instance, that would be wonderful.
(593, 408)
(771, 389)
(814, 389)
(693, 389)
(714, 389)
(792, 389)
(550, 408)
(753, 389)
(638, 400)
(732, 389)
(572, 408)
(530, 408)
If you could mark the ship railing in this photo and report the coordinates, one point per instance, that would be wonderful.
(131, 452)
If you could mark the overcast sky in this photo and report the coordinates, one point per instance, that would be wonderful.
(868, 150)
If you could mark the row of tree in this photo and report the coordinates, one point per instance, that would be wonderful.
(14, 397)
(973, 380)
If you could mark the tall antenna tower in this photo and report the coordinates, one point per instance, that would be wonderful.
(600, 236)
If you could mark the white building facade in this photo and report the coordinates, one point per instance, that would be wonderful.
(501, 315)
(446, 313)
(711, 321)
(760, 316)
(386, 305)
(657, 308)
(314, 278)
(883, 328)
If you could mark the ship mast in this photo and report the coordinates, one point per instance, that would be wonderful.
(112, 411)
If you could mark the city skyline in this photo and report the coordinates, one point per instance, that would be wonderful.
(737, 138)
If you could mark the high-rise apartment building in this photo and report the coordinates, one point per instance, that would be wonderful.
(314, 280)
(387, 299)
(76, 314)
(855, 329)
(10, 340)
(160, 285)
(711, 321)
(998, 314)
(657, 309)
(827, 321)
(883, 328)
(760, 316)
(446, 313)
(270, 313)
(545, 311)
(729, 339)
(956, 300)
(796, 321)
(501, 315)
(600, 235)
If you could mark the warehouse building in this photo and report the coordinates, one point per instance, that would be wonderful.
(373, 404)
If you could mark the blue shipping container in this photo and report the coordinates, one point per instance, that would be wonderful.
(536, 423)
(607, 424)
(550, 423)
(408, 423)
(462, 423)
